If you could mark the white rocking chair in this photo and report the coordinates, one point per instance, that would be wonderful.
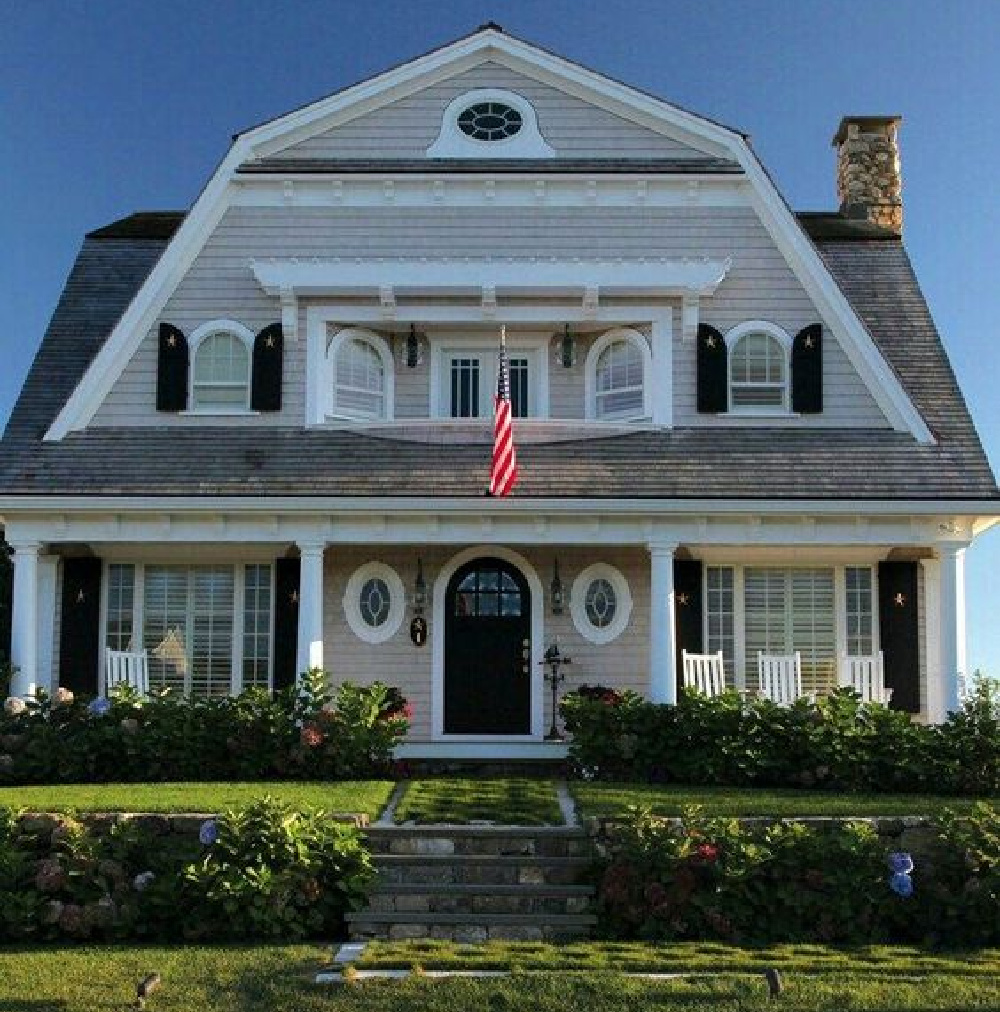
(705, 672)
(122, 667)
(866, 675)
(779, 677)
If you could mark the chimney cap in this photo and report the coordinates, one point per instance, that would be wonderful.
(866, 123)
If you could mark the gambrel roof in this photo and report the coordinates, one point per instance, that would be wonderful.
(870, 265)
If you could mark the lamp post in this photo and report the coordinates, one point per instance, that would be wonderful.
(553, 659)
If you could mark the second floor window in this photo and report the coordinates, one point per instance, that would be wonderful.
(221, 374)
(360, 376)
(758, 372)
(617, 377)
(472, 380)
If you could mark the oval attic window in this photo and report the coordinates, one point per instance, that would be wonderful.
(489, 121)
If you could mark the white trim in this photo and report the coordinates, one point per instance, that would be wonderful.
(441, 581)
(633, 337)
(328, 378)
(578, 598)
(489, 44)
(195, 341)
(397, 602)
(660, 277)
(452, 142)
(732, 338)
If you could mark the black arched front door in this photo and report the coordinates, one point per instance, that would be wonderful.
(487, 650)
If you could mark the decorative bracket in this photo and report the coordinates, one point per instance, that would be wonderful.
(387, 300)
(489, 300)
(689, 316)
(591, 298)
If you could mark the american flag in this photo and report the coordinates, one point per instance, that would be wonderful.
(503, 474)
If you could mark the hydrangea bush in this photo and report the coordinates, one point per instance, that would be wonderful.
(307, 732)
(264, 871)
(786, 881)
(836, 743)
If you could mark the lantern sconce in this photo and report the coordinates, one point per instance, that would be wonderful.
(412, 350)
(558, 594)
(419, 590)
(566, 349)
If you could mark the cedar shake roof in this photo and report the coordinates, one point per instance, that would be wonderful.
(873, 271)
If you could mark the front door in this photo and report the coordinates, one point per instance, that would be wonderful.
(487, 649)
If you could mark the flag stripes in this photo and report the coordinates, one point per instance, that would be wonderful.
(503, 474)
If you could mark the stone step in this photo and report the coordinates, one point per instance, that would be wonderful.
(470, 927)
(481, 899)
(478, 869)
(552, 841)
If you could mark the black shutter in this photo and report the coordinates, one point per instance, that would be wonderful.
(687, 611)
(899, 632)
(265, 387)
(713, 370)
(172, 370)
(286, 621)
(80, 625)
(807, 370)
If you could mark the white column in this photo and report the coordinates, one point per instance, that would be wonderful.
(24, 620)
(952, 632)
(663, 371)
(310, 647)
(937, 711)
(662, 625)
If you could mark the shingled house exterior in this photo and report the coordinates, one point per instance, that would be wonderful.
(257, 435)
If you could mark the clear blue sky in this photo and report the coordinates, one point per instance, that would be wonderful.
(109, 106)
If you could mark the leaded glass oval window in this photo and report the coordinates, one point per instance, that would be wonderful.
(374, 602)
(489, 121)
(601, 603)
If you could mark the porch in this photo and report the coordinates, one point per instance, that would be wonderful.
(226, 602)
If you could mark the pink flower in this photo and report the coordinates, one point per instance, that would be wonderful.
(708, 852)
(62, 697)
(14, 705)
(311, 736)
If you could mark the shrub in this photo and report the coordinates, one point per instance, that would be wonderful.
(836, 882)
(264, 871)
(304, 732)
(836, 743)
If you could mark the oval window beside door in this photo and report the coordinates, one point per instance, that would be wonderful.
(600, 603)
(374, 602)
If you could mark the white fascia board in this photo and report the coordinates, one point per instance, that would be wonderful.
(13, 507)
(660, 277)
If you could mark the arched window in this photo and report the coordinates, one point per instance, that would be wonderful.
(361, 368)
(618, 369)
(220, 376)
(758, 367)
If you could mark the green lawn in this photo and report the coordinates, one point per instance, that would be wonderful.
(279, 979)
(609, 799)
(366, 797)
(509, 801)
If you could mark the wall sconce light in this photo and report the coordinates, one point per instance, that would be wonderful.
(419, 590)
(558, 595)
(566, 349)
(413, 354)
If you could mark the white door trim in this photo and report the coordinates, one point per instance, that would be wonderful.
(444, 576)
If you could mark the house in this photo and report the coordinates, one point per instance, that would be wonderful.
(257, 435)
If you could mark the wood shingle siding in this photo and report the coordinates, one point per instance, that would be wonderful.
(219, 284)
(406, 128)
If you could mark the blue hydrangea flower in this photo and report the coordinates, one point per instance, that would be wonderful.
(208, 833)
(900, 863)
(901, 884)
(99, 707)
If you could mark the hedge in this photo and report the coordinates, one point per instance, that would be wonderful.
(302, 733)
(836, 743)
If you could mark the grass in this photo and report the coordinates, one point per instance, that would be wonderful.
(367, 797)
(610, 799)
(508, 801)
(279, 979)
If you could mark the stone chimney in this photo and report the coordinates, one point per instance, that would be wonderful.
(869, 182)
